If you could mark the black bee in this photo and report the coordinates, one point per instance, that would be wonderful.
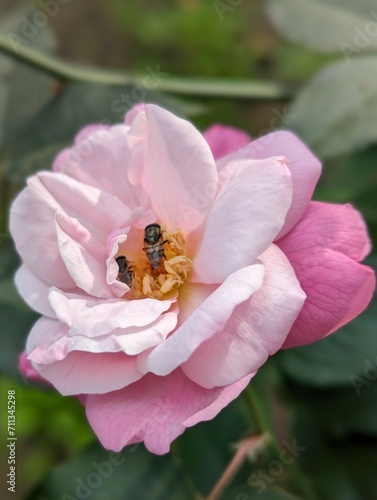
(154, 244)
(125, 274)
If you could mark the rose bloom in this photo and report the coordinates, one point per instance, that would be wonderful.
(241, 264)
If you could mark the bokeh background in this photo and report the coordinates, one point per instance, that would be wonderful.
(317, 64)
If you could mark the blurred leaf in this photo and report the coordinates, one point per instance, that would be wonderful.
(268, 493)
(100, 474)
(41, 442)
(327, 25)
(334, 360)
(350, 177)
(341, 466)
(23, 90)
(336, 112)
(16, 317)
(207, 448)
(78, 105)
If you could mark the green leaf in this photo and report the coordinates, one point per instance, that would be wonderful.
(334, 360)
(16, 317)
(327, 25)
(49, 429)
(77, 105)
(349, 178)
(259, 492)
(336, 112)
(335, 424)
(213, 443)
(100, 474)
(24, 91)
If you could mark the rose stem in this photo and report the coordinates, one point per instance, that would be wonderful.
(263, 428)
(69, 72)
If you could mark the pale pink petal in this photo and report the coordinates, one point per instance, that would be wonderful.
(32, 226)
(248, 213)
(338, 227)
(133, 112)
(61, 160)
(101, 158)
(78, 372)
(256, 329)
(337, 289)
(34, 291)
(85, 258)
(54, 340)
(224, 140)
(203, 320)
(303, 165)
(175, 166)
(95, 317)
(97, 210)
(155, 410)
(90, 130)
(32, 221)
(91, 373)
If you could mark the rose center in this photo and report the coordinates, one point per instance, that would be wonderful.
(162, 266)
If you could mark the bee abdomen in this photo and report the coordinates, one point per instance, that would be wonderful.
(155, 254)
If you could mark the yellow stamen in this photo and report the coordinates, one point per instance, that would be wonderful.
(169, 276)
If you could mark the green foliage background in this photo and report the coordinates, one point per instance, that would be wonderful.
(324, 396)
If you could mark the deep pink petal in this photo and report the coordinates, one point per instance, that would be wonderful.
(337, 289)
(175, 166)
(248, 213)
(27, 369)
(321, 249)
(203, 320)
(155, 410)
(337, 227)
(303, 165)
(224, 140)
(256, 329)
(34, 291)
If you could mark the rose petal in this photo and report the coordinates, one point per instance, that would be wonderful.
(248, 213)
(303, 165)
(338, 227)
(32, 221)
(155, 410)
(78, 372)
(85, 258)
(34, 291)
(203, 320)
(90, 130)
(27, 369)
(48, 346)
(175, 166)
(337, 289)
(95, 317)
(225, 140)
(100, 158)
(256, 329)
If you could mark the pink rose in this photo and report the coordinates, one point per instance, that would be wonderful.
(157, 330)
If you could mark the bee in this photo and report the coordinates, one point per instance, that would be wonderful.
(154, 244)
(125, 273)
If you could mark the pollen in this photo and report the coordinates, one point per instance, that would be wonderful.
(171, 273)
